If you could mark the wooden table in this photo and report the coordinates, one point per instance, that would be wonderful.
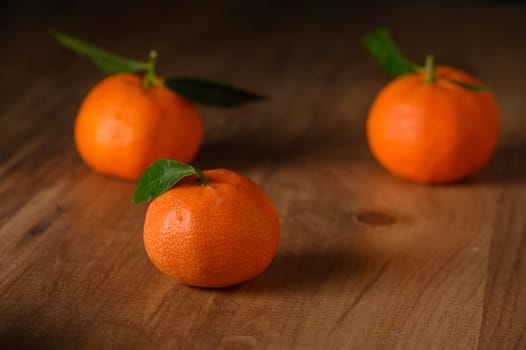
(366, 260)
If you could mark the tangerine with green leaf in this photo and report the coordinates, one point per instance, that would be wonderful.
(430, 124)
(134, 117)
(211, 228)
(122, 127)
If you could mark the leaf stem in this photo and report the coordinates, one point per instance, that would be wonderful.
(202, 179)
(150, 79)
(430, 75)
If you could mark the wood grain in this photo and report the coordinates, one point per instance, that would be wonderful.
(365, 261)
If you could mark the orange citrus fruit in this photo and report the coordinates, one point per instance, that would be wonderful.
(216, 234)
(123, 126)
(433, 132)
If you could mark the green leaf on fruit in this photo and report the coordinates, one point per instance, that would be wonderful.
(200, 91)
(469, 86)
(161, 176)
(383, 49)
(207, 93)
(107, 62)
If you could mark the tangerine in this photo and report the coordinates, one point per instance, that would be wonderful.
(434, 132)
(123, 126)
(212, 234)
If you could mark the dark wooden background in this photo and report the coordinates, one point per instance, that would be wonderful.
(366, 260)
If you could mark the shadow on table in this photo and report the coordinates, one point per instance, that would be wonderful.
(508, 166)
(235, 154)
(21, 338)
(306, 273)
(240, 153)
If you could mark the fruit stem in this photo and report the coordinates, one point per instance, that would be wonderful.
(429, 70)
(202, 179)
(150, 79)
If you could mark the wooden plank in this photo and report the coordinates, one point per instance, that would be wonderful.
(504, 309)
(365, 261)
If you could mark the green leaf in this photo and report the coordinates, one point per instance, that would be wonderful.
(161, 176)
(212, 94)
(469, 86)
(383, 49)
(107, 62)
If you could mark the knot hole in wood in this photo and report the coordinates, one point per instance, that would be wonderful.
(375, 218)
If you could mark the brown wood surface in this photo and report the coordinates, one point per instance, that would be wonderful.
(366, 260)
